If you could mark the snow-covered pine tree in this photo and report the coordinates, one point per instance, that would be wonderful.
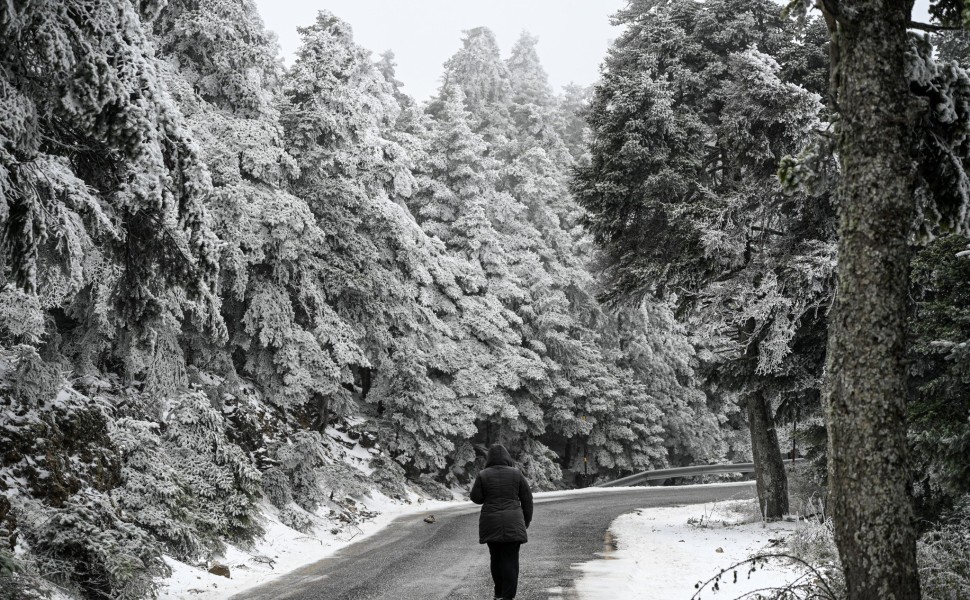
(573, 128)
(939, 405)
(559, 311)
(334, 106)
(938, 408)
(103, 187)
(538, 308)
(282, 334)
(383, 273)
(483, 78)
(107, 254)
(533, 107)
(458, 203)
(592, 401)
(685, 149)
(281, 371)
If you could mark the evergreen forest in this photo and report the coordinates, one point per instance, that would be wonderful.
(221, 276)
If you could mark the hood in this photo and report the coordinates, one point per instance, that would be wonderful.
(498, 455)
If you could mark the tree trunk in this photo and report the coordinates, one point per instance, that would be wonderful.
(769, 467)
(323, 412)
(865, 386)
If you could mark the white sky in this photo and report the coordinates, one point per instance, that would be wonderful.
(920, 9)
(573, 34)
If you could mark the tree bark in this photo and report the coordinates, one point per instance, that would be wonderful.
(769, 467)
(323, 412)
(869, 481)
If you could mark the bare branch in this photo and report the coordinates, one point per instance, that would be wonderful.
(932, 28)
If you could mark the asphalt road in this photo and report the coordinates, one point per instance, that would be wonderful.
(414, 560)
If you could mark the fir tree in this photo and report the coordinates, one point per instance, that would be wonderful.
(381, 270)
(684, 153)
(103, 187)
(538, 224)
(459, 204)
(483, 78)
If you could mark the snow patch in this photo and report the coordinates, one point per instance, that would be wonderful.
(662, 553)
(282, 550)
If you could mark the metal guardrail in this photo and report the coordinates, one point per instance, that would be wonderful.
(693, 471)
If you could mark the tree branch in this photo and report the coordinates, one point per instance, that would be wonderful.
(932, 28)
(767, 230)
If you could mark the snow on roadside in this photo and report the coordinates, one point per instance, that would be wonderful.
(661, 553)
(283, 549)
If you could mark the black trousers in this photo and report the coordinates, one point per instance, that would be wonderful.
(505, 568)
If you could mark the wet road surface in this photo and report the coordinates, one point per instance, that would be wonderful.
(414, 560)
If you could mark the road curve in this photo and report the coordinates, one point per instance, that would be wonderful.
(414, 560)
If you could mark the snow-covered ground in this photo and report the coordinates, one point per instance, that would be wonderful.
(662, 553)
(282, 550)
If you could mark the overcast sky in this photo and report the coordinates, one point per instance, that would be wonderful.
(573, 34)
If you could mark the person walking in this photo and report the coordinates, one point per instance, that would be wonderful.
(506, 514)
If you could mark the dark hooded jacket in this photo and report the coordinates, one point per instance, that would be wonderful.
(505, 498)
